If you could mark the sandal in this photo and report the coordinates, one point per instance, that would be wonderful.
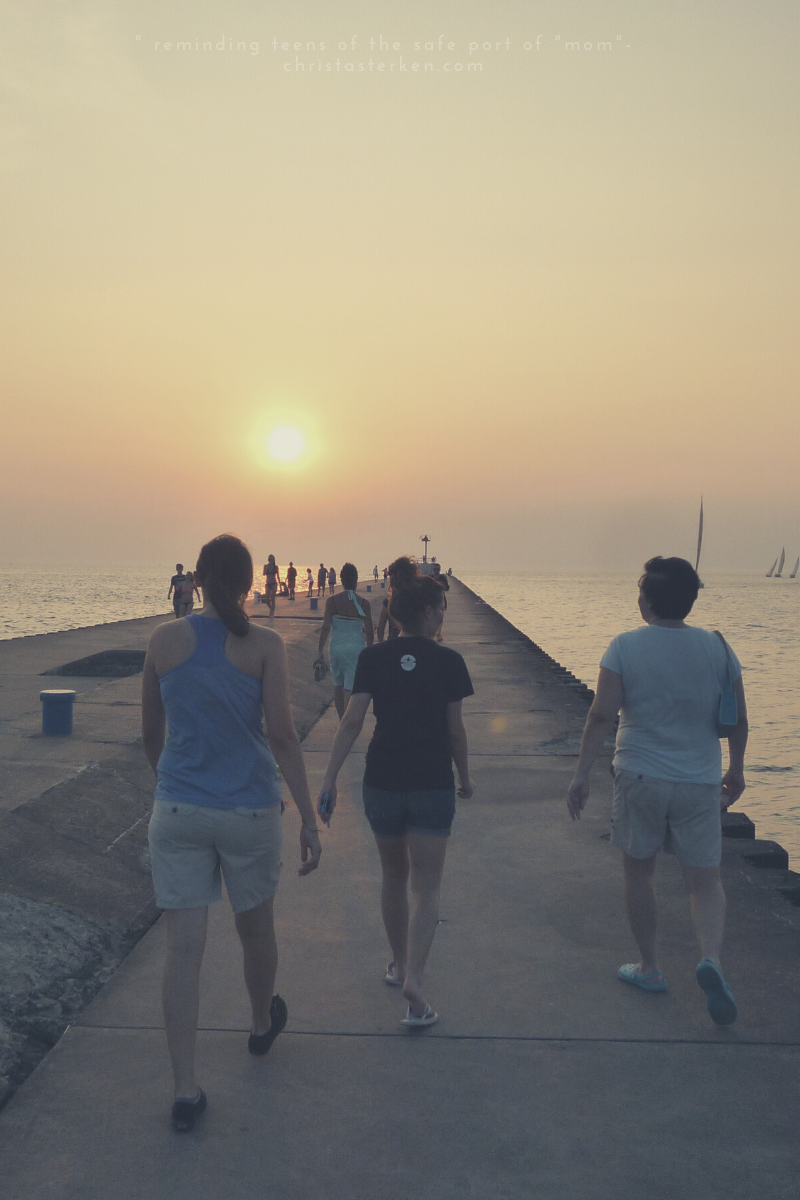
(390, 977)
(654, 981)
(722, 1008)
(259, 1043)
(186, 1112)
(429, 1017)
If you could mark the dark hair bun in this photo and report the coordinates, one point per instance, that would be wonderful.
(412, 593)
(403, 572)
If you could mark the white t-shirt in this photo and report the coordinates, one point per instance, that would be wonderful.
(672, 680)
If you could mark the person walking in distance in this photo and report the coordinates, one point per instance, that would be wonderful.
(188, 591)
(291, 579)
(416, 688)
(176, 589)
(272, 578)
(332, 580)
(348, 621)
(211, 679)
(322, 579)
(375, 572)
(310, 582)
(666, 680)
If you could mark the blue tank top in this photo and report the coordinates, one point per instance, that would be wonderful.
(216, 752)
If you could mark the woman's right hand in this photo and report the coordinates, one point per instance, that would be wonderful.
(310, 850)
(331, 793)
(465, 790)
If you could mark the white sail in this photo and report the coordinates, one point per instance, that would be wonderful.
(772, 568)
(794, 569)
(780, 564)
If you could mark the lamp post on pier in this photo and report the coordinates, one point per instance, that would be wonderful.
(425, 539)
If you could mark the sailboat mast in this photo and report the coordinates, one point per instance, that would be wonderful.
(699, 536)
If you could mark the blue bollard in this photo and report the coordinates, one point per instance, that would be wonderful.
(383, 583)
(57, 712)
(314, 603)
(369, 587)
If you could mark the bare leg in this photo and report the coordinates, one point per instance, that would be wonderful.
(708, 908)
(256, 931)
(394, 898)
(338, 700)
(186, 941)
(640, 905)
(426, 855)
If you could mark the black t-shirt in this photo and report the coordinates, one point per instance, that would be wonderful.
(176, 583)
(291, 574)
(411, 681)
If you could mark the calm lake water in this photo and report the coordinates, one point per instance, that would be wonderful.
(574, 617)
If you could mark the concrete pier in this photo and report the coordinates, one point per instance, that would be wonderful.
(546, 1077)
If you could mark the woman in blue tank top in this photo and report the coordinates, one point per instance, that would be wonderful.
(211, 680)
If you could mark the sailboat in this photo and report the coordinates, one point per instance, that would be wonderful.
(700, 540)
(794, 569)
(780, 564)
(772, 568)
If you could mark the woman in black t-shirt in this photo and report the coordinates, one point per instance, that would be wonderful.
(416, 687)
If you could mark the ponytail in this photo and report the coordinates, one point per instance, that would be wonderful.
(225, 573)
(411, 593)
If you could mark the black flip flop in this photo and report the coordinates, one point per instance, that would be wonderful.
(259, 1043)
(186, 1112)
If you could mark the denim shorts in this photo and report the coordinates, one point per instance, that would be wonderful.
(393, 814)
(192, 845)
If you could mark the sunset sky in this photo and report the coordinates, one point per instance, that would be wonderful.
(533, 310)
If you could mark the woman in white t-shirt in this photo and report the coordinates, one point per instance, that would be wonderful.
(666, 681)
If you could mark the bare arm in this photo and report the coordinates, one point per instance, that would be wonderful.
(599, 723)
(733, 780)
(383, 621)
(286, 747)
(458, 746)
(326, 626)
(369, 633)
(154, 719)
(350, 727)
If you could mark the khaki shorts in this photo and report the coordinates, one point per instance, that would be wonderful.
(191, 844)
(655, 814)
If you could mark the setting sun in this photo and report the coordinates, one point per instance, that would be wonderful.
(286, 443)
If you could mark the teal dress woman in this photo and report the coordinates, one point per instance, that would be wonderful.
(348, 623)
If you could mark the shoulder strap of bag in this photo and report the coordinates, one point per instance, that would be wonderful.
(728, 663)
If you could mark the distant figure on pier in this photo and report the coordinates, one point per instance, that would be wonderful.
(348, 622)
(416, 689)
(375, 572)
(322, 579)
(310, 582)
(444, 581)
(272, 578)
(667, 681)
(385, 574)
(388, 628)
(176, 589)
(332, 580)
(210, 680)
(188, 591)
(291, 579)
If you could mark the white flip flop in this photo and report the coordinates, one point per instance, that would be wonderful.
(390, 979)
(429, 1017)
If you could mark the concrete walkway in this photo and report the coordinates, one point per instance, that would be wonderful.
(545, 1078)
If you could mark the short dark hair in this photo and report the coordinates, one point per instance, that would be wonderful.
(349, 575)
(670, 587)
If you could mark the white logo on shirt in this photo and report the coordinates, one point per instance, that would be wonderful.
(408, 662)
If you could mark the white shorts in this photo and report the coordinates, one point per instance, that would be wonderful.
(656, 814)
(191, 845)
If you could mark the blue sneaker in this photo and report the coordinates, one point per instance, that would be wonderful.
(722, 1007)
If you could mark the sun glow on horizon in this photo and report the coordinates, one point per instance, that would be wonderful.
(286, 443)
